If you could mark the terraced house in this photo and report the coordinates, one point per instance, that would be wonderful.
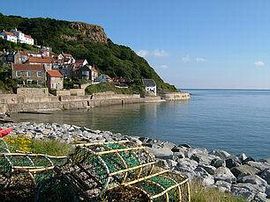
(29, 74)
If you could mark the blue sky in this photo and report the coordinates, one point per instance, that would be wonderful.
(191, 43)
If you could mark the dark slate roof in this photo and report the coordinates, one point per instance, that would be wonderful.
(149, 82)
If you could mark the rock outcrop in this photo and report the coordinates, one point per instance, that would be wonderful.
(87, 32)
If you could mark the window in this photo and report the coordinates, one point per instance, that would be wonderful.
(28, 73)
(39, 74)
(18, 73)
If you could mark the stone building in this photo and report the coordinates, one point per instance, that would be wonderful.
(29, 74)
(55, 80)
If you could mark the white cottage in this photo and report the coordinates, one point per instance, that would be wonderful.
(150, 86)
(9, 36)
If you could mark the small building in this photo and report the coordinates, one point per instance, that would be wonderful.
(23, 38)
(29, 74)
(47, 62)
(55, 80)
(65, 58)
(80, 63)
(94, 73)
(150, 86)
(86, 72)
(103, 78)
(9, 36)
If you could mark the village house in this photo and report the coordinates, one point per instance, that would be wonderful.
(47, 62)
(55, 80)
(103, 78)
(29, 74)
(80, 63)
(66, 59)
(86, 72)
(9, 36)
(150, 86)
(23, 38)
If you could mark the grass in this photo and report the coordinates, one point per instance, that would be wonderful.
(103, 87)
(24, 144)
(200, 193)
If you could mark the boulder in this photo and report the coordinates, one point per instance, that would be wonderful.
(161, 152)
(266, 175)
(260, 197)
(224, 174)
(186, 165)
(253, 179)
(223, 186)
(267, 191)
(210, 169)
(218, 163)
(242, 157)
(243, 170)
(232, 162)
(242, 192)
(259, 165)
(201, 158)
(203, 176)
(184, 145)
(248, 159)
(221, 154)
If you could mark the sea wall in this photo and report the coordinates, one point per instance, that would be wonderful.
(176, 96)
(15, 103)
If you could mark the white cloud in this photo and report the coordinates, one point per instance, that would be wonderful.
(152, 53)
(259, 63)
(143, 53)
(200, 60)
(186, 59)
(164, 66)
(159, 53)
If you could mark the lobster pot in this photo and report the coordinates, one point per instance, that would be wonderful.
(20, 174)
(162, 186)
(3, 146)
(95, 168)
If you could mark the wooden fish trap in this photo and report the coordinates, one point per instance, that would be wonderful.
(95, 171)
(20, 172)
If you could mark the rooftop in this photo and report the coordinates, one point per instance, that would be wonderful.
(54, 73)
(26, 67)
(149, 82)
(40, 60)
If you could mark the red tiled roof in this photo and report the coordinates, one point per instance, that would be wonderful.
(54, 73)
(22, 67)
(40, 60)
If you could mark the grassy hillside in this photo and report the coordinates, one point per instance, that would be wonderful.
(112, 59)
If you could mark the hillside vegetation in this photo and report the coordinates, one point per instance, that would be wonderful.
(84, 41)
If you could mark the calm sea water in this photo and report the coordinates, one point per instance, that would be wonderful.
(235, 120)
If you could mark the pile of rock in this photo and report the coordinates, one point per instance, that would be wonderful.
(239, 175)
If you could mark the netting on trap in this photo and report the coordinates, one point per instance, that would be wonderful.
(100, 169)
(21, 172)
(94, 168)
(3, 146)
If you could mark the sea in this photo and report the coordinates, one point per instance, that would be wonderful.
(237, 121)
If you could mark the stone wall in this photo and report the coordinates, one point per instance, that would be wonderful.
(176, 96)
(73, 92)
(32, 92)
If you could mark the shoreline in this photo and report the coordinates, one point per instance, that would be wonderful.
(236, 174)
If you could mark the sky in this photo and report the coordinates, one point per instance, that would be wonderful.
(190, 43)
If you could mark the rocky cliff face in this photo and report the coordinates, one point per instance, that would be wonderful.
(89, 32)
